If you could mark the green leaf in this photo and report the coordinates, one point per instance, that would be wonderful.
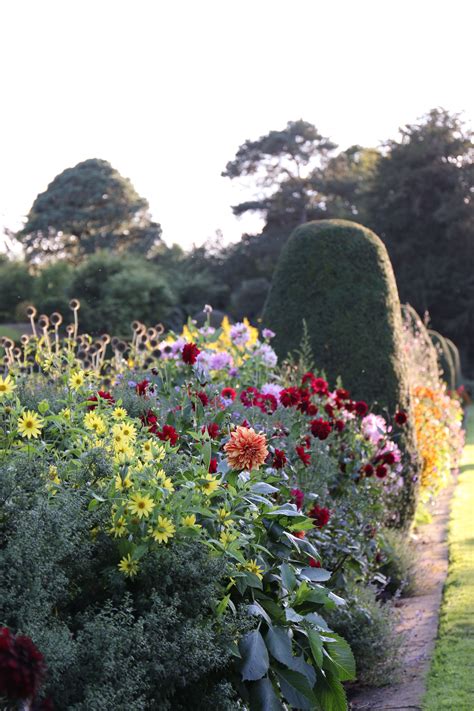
(279, 645)
(330, 693)
(296, 689)
(255, 661)
(316, 575)
(288, 577)
(342, 657)
(316, 644)
(206, 453)
(262, 696)
(262, 487)
(257, 610)
(222, 605)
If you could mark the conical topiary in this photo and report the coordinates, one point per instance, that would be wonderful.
(337, 277)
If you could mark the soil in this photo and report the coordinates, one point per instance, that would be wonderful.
(418, 619)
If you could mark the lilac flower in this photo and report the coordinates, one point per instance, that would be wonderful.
(267, 354)
(374, 427)
(132, 384)
(272, 389)
(219, 361)
(207, 309)
(239, 334)
(234, 372)
(207, 330)
(268, 333)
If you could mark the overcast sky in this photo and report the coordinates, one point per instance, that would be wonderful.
(167, 91)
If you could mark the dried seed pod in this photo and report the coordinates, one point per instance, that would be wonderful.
(105, 339)
(25, 339)
(31, 311)
(160, 329)
(114, 343)
(75, 304)
(43, 321)
(121, 346)
(70, 330)
(151, 333)
(56, 319)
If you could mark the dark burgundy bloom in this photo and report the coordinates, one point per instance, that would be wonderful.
(320, 514)
(279, 459)
(249, 397)
(22, 666)
(290, 397)
(349, 405)
(150, 420)
(389, 458)
(213, 466)
(313, 563)
(228, 393)
(320, 428)
(297, 497)
(101, 395)
(203, 398)
(212, 429)
(303, 455)
(320, 386)
(381, 471)
(368, 470)
(401, 418)
(141, 387)
(329, 409)
(267, 403)
(168, 433)
(190, 353)
(342, 394)
(339, 424)
(308, 378)
(361, 408)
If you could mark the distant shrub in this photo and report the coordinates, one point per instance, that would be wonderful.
(16, 286)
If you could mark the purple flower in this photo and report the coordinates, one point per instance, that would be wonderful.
(233, 372)
(268, 333)
(267, 354)
(239, 334)
(272, 389)
(132, 384)
(219, 361)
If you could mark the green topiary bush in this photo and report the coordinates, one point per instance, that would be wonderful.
(337, 277)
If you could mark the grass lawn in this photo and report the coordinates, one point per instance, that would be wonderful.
(450, 684)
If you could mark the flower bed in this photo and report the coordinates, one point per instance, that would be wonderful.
(180, 516)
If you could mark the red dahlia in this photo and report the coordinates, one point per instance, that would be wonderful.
(212, 429)
(213, 466)
(279, 459)
(168, 433)
(297, 497)
(320, 514)
(289, 397)
(361, 408)
(228, 393)
(303, 455)
(381, 471)
(141, 387)
(401, 418)
(21, 666)
(320, 428)
(190, 353)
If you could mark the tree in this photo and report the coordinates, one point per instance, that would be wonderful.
(16, 289)
(85, 209)
(421, 204)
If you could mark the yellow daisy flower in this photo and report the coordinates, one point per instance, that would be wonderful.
(253, 567)
(141, 505)
(30, 424)
(224, 517)
(119, 527)
(165, 481)
(122, 483)
(163, 530)
(212, 483)
(94, 422)
(227, 537)
(76, 379)
(128, 566)
(190, 521)
(125, 429)
(7, 386)
(66, 413)
(119, 413)
(53, 474)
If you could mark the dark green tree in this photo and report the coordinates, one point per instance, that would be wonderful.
(16, 289)
(85, 209)
(421, 205)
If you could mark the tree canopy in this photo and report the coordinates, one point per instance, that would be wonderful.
(85, 209)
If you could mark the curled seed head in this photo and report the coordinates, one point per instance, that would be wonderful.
(159, 328)
(153, 342)
(43, 321)
(31, 311)
(148, 362)
(17, 352)
(121, 346)
(114, 343)
(105, 338)
(75, 304)
(70, 330)
(25, 339)
(141, 346)
(56, 318)
(136, 326)
(151, 333)
(81, 354)
(7, 342)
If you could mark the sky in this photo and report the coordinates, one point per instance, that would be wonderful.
(168, 90)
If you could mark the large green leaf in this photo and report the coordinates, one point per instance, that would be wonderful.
(255, 661)
(330, 694)
(262, 696)
(279, 645)
(288, 577)
(316, 575)
(296, 689)
(316, 644)
(342, 658)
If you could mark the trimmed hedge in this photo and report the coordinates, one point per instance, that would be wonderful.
(336, 275)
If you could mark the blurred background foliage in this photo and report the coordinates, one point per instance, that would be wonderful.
(90, 234)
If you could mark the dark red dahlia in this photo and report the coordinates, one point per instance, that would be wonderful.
(150, 420)
(22, 666)
(213, 466)
(101, 395)
(320, 386)
(329, 409)
(267, 403)
(314, 563)
(190, 353)
(320, 514)
(228, 393)
(250, 396)
(168, 433)
(401, 418)
(381, 471)
(389, 458)
(342, 394)
(142, 387)
(203, 398)
(339, 424)
(320, 428)
(290, 397)
(212, 429)
(297, 497)
(361, 408)
(279, 459)
(368, 470)
(303, 455)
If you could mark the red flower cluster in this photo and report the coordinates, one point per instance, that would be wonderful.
(303, 454)
(361, 408)
(150, 420)
(279, 459)
(251, 397)
(320, 428)
(142, 386)
(229, 393)
(168, 433)
(297, 497)
(101, 395)
(203, 398)
(22, 666)
(320, 514)
(213, 466)
(190, 353)
(212, 429)
(401, 418)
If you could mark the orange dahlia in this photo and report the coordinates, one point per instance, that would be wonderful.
(246, 449)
